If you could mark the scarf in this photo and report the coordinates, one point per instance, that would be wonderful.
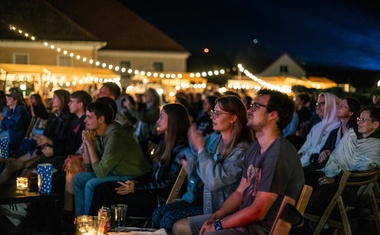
(353, 154)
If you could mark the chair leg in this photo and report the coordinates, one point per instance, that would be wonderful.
(343, 214)
(375, 209)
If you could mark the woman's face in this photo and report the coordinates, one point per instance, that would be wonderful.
(32, 100)
(366, 126)
(320, 108)
(343, 110)
(207, 106)
(148, 97)
(221, 120)
(56, 102)
(162, 122)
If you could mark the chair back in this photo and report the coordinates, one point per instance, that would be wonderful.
(366, 182)
(174, 193)
(290, 216)
(31, 127)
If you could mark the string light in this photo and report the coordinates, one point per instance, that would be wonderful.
(285, 89)
(117, 68)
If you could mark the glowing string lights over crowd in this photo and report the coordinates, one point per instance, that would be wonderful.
(285, 89)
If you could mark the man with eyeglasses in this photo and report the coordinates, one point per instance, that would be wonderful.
(271, 170)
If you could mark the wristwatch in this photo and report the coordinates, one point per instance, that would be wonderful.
(218, 225)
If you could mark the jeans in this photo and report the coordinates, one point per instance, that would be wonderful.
(84, 186)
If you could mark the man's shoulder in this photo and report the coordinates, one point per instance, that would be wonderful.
(117, 127)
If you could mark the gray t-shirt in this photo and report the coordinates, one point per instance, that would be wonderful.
(278, 170)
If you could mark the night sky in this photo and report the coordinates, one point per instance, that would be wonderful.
(339, 38)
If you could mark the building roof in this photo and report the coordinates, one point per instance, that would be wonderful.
(41, 19)
(83, 20)
(120, 27)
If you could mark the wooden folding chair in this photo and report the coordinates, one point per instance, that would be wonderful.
(174, 193)
(366, 181)
(290, 216)
(31, 127)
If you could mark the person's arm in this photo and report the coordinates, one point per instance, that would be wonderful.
(230, 205)
(86, 164)
(88, 140)
(165, 182)
(229, 214)
(216, 175)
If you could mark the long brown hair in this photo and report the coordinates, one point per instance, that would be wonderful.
(178, 124)
(64, 97)
(233, 105)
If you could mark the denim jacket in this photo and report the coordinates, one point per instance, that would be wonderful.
(220, 177)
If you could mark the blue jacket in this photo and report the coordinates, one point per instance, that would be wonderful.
(220, 177)
(16, 122)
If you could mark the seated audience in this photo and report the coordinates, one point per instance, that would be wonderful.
(111, 152)
(303, 110)
(146, 116)
(55, 130)
(271, 170)
(125, 116)
(347, 112)
(145, 193)
(217, 161)
(16, 122)
(355, 152)
(36, 107)
(204, 123)
(326, 110)
(291, 128)
(3, 112)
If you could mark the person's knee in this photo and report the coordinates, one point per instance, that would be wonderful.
(181, 227)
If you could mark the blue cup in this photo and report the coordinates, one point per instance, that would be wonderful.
(45, 172)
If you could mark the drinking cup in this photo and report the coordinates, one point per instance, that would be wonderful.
(118, 215)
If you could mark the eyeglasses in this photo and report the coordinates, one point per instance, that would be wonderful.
(359, 119)
(218, 113)
(255, 106)
(320, 103)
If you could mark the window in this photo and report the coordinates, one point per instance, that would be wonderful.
(284, 69)
(158, 66)
(20, 58)
(126, 65)
(64, 61)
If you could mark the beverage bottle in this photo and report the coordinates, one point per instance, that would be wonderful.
(104, 217)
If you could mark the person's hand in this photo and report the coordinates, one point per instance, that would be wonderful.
(195, 138)
(323, 156)
(325, 180)
(73, 164)
(48, 151)
(88, 136)
(185, 164)
(208, 226)
(126, 188)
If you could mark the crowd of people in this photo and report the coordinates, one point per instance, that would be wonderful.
(242, 155)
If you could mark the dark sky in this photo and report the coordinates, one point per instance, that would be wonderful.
(340, 36)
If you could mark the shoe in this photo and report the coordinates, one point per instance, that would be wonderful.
(15, 212)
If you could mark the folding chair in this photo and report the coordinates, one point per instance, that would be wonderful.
(290, 216)
(174, 193)
(366, 181)
(31, 127)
